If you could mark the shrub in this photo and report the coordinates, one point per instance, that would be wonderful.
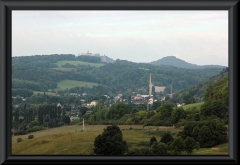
(110, 142)
(166, 138)
(141, 151)
(180, 123)
(189, 145)
(208, 133)
(197, 117)
(159, 148)
(177, 114)
(153, 139)
(30, 136)
(60, 123)
(177, 146)
(34, 123)
(74, 122)
(19, 139)
(35, 129)
(66, 119)
(22, 132)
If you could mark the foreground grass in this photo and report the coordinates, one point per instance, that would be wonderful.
(221, 149)
(72, 140)
(62, 85)
(76, 63)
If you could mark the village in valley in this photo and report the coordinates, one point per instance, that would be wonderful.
(136, 99)
(80, 96)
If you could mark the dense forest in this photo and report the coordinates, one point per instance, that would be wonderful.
(196, 92)
(40, 73)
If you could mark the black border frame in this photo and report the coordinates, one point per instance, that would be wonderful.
(6, 6)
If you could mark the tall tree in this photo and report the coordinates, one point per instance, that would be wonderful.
(47, 119)
(110, 142)
(177, 114)
(16, 117)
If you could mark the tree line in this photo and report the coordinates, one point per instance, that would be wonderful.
(30, 118)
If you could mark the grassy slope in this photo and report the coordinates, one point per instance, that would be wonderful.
(197, 105)
(221, 149)
(59, 63)
(71, 140)
(62, 85)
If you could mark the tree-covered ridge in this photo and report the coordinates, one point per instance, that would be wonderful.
(119, 77)
(174, 61)
(218, 90)
(216, 99)
(196, 92)
(123, 73)
(43, 61)
(48, 61)
(48, 77)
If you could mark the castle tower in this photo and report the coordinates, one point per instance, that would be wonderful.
(104, 58)
(150, 85)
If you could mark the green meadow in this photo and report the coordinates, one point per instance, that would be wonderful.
(62, 85)
(197, 105)
(74, 141)
(76, 63)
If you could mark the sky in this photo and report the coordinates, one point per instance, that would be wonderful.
(198, 36)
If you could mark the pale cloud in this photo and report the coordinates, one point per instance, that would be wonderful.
(198, 37)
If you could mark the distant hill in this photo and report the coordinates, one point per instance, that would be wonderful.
(176, 62)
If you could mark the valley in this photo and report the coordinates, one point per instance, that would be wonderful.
(52, 94)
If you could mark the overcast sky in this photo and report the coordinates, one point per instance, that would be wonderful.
(198, 37)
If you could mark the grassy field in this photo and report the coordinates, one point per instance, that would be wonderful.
(76, 63)
(221, 149)
(197, 105)
(62, 85)
(72, 140)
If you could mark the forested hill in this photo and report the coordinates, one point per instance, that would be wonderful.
(174, 61)
(197, 91)
(127, 74)
(41, 73)
(49, 61)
